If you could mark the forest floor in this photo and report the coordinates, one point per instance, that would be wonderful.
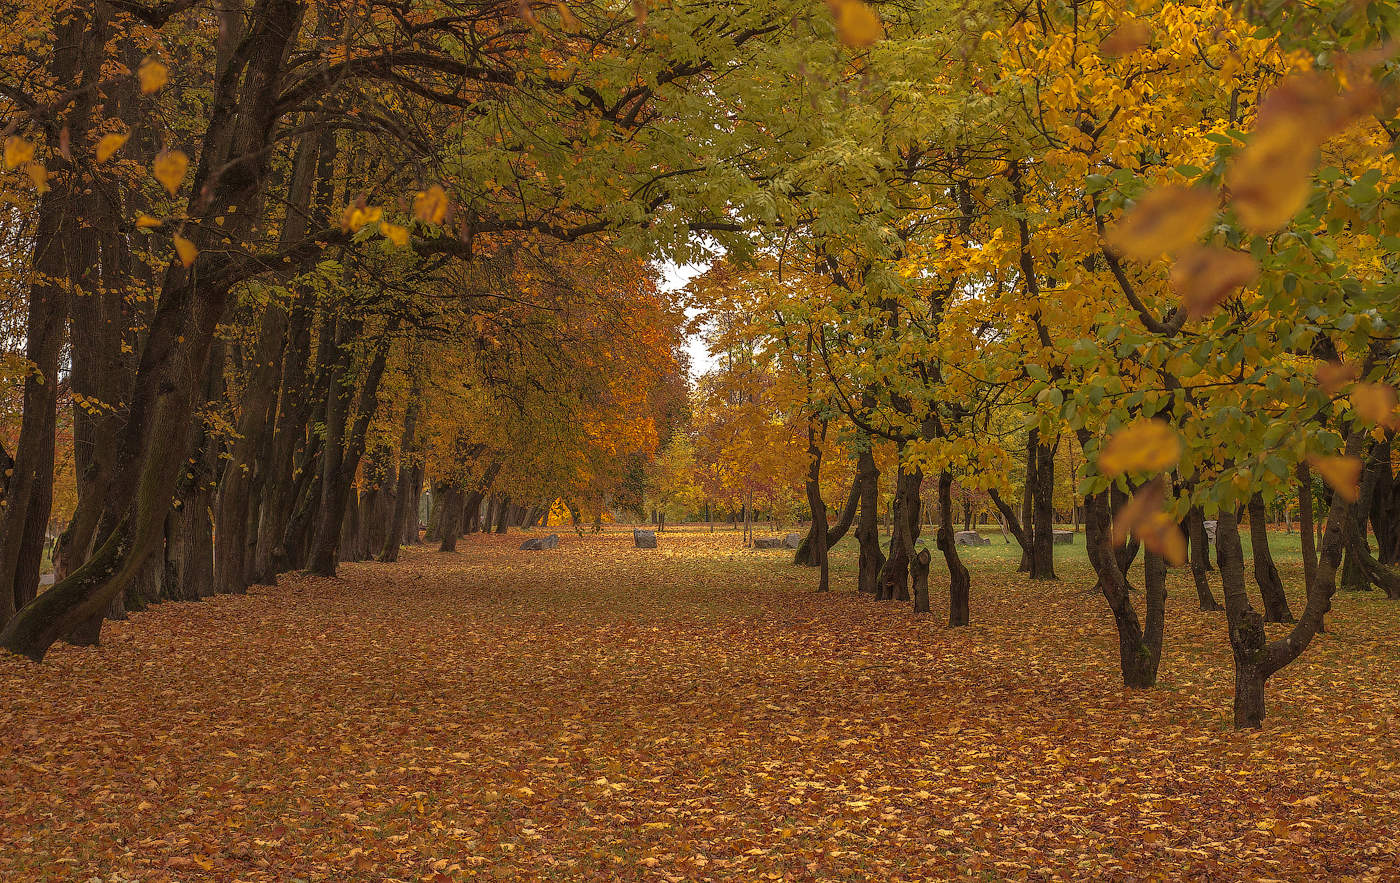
(696, 712)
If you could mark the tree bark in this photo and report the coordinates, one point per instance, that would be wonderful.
(151, 449)
(1042, 559)
(871, 558)
(815, 503)
(1265, 573)
(1305, 523)
(1200, 558)
(959, 582)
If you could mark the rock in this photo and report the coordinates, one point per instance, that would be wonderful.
(793, 540)
(1210, 530)
(644, 539)
(539, 544)
(769, 543)
(1064, 538)
(970, 538)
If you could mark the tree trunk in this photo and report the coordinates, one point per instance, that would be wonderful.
(1265, 573)
(919, 570)
(1247, 638)
(1200, 558)
(1139, 649)
(871, 558)
(1028, 502)
(405, 499)
(959, 582)
(1042, 559)
(503, 514)
(339, 466)
(1305, 523)
(817, 506)
(894, 578)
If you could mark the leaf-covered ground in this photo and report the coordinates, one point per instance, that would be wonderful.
(692, 713)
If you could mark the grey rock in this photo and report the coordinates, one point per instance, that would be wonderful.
(1064, 538)
(1210, 530)
(769, 543)
(970, 538)
(793, 540)
(539, 544)
(644, 539)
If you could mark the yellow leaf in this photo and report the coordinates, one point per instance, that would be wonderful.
(170, 167)
(1164, 220)
(1204, 276)
(1147, 445)
(1342, 474)
(152, 75)
(430, 206)
(185, 249)
(356, 216)
(394, 233)
(39, 175)
(144, 221)
(856, 23)
(17, 151)
(109, 144)
(1375, 402)
(639, 11)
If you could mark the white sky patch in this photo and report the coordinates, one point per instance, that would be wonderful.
(673, 278)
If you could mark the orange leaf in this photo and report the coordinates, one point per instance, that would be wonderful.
(1375, 402)
(1342, 474)
(1128, 37)
(109, 144)
(1204, 276)
(1165, 220)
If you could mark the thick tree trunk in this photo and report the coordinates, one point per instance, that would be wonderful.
(894, 579)
(235, 540)
(502, 514)
(339, 466)
(330, 514)
(1042, 558)
(834, 532)
(151, 450)
(959, 582)
(64, 260)
(448, 526)
(1028, 502)
(871, 558)
(1247, 638)
(1265, 573)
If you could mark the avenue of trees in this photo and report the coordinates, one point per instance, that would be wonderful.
(273, 269)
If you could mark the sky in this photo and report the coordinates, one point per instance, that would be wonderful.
(673, 278)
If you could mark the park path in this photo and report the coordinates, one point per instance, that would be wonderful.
(697, 712)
